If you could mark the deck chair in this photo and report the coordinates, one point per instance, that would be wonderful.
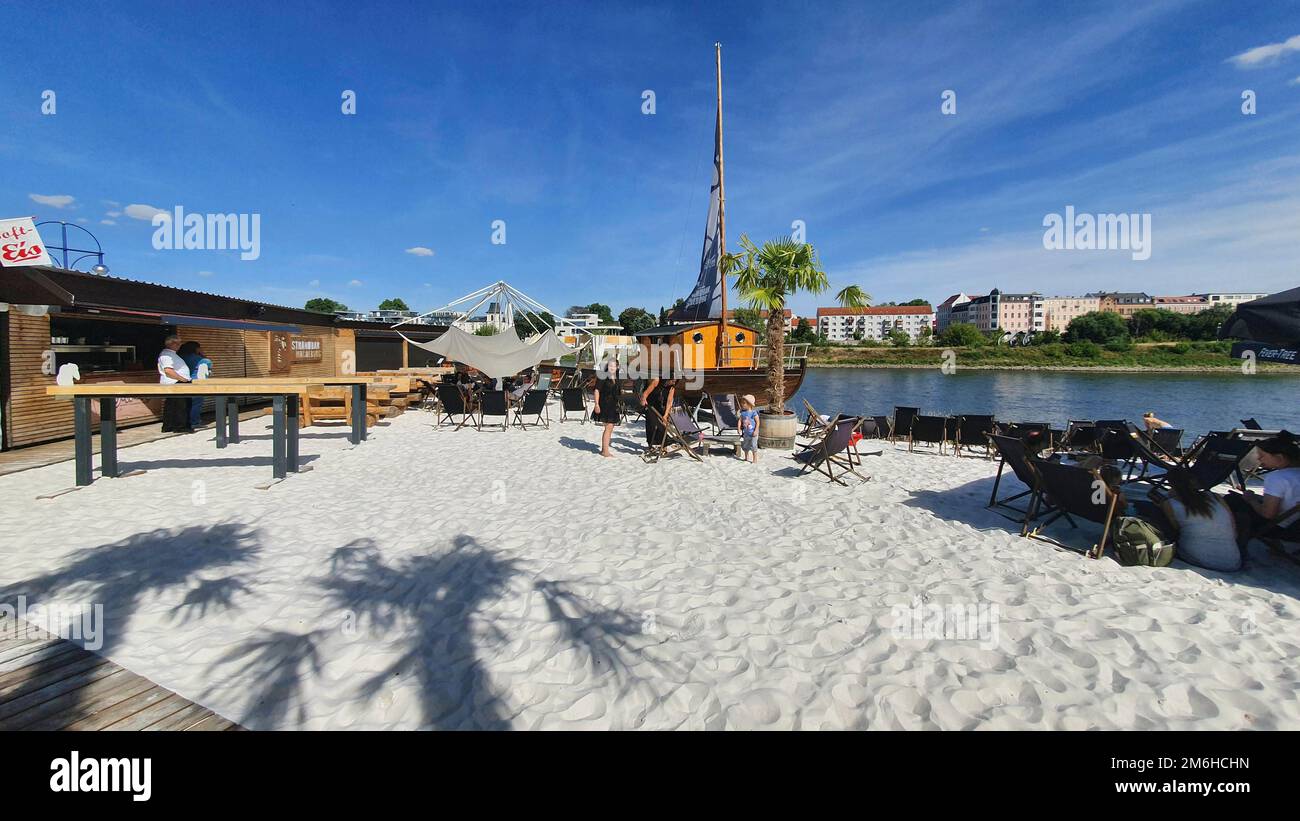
(928, 429)
(494, 403)
(1081, 436)
(1116, 445)
(1036, 436)
(573, 400)
(883, 430)
(1284, 528)
(533, 406)
(452, 403)
(1071, 491)
(681, 434)
(1217, 460)
(1251, 424)
(832, 451)
(973, 431)
(543, 382)
(1148, 451)
(901, 425)
(1167, 439)
(724, 412)
(816, 424)
(1013, 453)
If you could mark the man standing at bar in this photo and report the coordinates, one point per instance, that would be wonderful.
(172, 370)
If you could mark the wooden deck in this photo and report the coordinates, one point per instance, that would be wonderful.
(47, 683)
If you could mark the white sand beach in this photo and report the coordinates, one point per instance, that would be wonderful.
(460, 579)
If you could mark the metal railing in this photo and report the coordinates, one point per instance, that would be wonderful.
(755, 356)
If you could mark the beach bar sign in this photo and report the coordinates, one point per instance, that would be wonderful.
(20, 243)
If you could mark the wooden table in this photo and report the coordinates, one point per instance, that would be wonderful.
(284, 426)
(357, 383)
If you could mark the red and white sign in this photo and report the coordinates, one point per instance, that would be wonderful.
(20, 244)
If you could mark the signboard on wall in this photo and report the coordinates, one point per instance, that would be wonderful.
(20, 243)
(306, 348)
(281, 354)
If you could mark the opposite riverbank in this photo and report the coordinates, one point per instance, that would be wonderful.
(1194, 357)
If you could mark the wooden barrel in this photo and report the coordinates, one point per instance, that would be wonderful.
(777, 432)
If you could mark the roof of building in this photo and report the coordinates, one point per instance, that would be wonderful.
(1193, 299)
(952, 300)
(884, 310)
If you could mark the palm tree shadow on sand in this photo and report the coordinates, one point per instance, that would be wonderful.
(435, 604)
(123, 575)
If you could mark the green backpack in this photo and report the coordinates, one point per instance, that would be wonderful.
(1138, 543)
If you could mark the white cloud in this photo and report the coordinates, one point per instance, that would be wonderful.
(205, 273)
(1263, 55)
(111, 203)
(420, 251)
(356, 283)
(113, 214)
(82, 220)
(108, 222)
(1295, 82)
(314, 283)
(53, 200)
(143, 212)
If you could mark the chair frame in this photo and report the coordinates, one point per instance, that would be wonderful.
(821, 459)
(1042, 495)
(543, 416)
(567, 392)
(674, 440)
(466, 412)
(505, 402)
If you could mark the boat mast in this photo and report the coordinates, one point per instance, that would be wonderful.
(722, 216)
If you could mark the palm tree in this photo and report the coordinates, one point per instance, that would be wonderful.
(766, 278)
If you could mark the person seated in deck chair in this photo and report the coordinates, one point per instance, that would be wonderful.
(1200, 521)
(1281, 456)
(1153, 423)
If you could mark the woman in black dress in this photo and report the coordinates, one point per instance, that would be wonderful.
(659, 395)
(606, 409)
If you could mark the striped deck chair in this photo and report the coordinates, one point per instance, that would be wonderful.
(681, 434)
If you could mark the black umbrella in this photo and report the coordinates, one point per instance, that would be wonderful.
(1270, 326)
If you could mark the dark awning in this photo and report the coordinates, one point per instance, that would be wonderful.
(1273, 319)
(235, 324)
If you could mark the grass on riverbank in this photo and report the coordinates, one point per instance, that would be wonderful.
(1161, 355)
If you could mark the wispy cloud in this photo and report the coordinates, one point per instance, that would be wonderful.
(420, 251)
(143, 212)
(1264, 55)
(356, 283)
(53, 200)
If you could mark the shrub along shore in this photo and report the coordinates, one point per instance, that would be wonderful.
(1159, 356)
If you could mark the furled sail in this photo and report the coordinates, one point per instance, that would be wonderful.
(705, 301)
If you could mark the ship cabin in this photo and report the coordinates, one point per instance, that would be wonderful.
(694, 345)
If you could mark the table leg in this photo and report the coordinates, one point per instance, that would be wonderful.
(107, 436)
(291, 431)
(232, 422)
(358, 414)
(81, 418)
(278, 438)
(219, 422)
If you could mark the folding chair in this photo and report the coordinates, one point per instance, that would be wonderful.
(573, 400)
(927, 429)
(815, 424)
(1072, 491)
(883, 430)
(1014, 453)
(972, 430)
(494, 403)
(831, 452)
(533, 404)
(902, 422)
(1284, 528)
(674, 439)
(452, 403)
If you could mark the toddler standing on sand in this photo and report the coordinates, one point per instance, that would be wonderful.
(748, 428)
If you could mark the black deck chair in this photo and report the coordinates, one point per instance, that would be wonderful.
(1036, 436)
(832, 451)
(1167, 439)
(493, 403)
(1116, 445)
(1072, 491)
(1251, 424)
(1081, 436)
(573, 400)
(1284, 528)
(1149, 452)
(901, 425)
(681, 434)
(883, 431)
(630, 400)
(1218, 460)
(1013, 454)
(929, 429)
(452, 403)
(973, 431)
(533, 407)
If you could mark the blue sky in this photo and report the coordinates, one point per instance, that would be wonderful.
(531, 114)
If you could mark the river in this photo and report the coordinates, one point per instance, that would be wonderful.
(1196, 402)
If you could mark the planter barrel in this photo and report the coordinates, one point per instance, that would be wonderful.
(776, 431)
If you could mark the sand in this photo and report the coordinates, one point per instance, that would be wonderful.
(438, 579)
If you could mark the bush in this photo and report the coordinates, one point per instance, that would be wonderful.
(960, 335)
(1180, 348)
(1084, 349)
(1123, 345)
(1096, 326)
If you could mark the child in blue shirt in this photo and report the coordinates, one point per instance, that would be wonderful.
(747, 426)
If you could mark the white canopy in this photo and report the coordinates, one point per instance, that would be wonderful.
(499, 355)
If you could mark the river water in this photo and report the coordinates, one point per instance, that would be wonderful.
(1196, 402)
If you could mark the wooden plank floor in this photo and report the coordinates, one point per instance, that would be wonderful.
(47, 683)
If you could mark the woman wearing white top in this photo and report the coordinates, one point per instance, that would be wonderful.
(1207, 531)
(1281, 456)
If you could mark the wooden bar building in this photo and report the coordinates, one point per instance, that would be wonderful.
(112, 329)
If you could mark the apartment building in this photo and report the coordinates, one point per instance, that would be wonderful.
(943, 314)
(1229, 300)
(1191, 304)
(996, 311)
(848, 324)
(1058, 311)
(1124, 303)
